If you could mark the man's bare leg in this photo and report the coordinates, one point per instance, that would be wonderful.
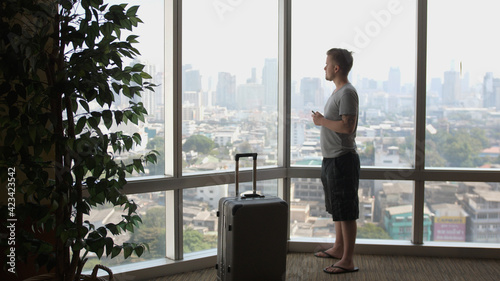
(349, 230)
(337, 251)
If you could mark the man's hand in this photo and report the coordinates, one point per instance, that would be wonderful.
(317, 118)
(345, 126)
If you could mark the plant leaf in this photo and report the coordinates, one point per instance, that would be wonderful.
(107, 117)
(116, 251)
(139, 250)
(127, 251)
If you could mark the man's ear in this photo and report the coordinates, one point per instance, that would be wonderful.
(336, 68)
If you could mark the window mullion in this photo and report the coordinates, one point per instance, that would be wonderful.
(284, 83)
(419, 193)
(173, 120)
(174, 224)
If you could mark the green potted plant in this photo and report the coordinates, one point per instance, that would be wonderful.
(61, 67)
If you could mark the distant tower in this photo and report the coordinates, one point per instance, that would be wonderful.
(249, 96)
(310, 89)
(394, 82)
(451, 88)
(270, 82)
(491, 91)
(192, 80)
(225, 94)
(253, 79)
(150, 99)
(436, 86)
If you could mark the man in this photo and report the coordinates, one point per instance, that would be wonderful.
(340, 166)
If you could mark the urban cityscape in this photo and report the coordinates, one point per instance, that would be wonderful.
(462, 131)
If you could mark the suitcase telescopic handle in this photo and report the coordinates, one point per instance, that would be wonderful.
(237, 174)
(244, 155)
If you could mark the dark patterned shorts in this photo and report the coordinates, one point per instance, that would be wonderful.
(340, 178)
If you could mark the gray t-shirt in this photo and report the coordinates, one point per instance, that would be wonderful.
(342, 102)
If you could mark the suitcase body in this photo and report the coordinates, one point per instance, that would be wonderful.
(252, 241)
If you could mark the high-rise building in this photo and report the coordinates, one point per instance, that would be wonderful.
(153, 101)
(491, 91)
(193, 98)
(270, 82)
(451, 88)
(394, 82)
(253, 79)
(192, 78)
(436, 86)
(225, 94)
(250, 96)
(159, 109)
(297, 137)
(311, 91)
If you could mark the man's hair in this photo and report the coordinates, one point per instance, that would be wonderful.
(343, 58)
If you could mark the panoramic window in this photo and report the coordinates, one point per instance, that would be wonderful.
(150, 45)
(463, 85)
(151, 208)
(229, 83)
(381, 35)
(464, 211)
(385, 210)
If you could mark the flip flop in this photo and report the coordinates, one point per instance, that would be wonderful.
(344, 270)
(328, 256)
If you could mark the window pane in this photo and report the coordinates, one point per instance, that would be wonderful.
(151, 206)
(200, 212)
(463, 85)
(151, 209)
(382, 36)
(150, 45)
(229, 82)
(200, 206)
(464, 211)
(385, 210)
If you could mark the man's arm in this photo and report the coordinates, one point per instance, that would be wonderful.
(345, 126)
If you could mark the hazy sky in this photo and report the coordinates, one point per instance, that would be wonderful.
(236, 35)
(466, 31)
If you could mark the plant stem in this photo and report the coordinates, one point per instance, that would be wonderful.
(63, 212)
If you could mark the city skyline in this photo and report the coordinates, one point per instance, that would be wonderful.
(392, 84)
(383, 36)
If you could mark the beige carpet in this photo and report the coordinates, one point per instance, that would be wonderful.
(304, 266)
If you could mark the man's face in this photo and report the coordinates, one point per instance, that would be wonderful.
(331, 68)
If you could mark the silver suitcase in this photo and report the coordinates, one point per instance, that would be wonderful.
(252, 234)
